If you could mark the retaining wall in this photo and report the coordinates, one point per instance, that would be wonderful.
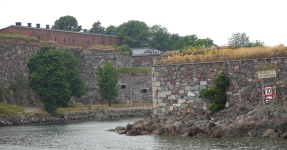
(91, 115)
(178, 87)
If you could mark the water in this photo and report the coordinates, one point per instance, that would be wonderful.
(91, 135)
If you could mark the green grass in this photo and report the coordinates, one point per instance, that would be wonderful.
(8, 109)
(135, 70)
(16, 37)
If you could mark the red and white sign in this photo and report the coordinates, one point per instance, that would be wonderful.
(268, 90)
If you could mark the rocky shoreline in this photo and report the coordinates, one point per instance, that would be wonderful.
(86, 115)
(265, 120)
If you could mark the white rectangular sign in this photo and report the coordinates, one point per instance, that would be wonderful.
(267, 74)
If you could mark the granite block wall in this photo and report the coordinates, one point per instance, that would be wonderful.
(178, 87)
(13, 58)
(135, 89)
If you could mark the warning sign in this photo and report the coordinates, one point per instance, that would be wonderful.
(268, 91)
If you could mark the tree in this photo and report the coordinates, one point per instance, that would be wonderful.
(239, 39)
(173, 38)
(54, 76)
(159, 37)
(97, 27)
(73, 77)
(69, 21)
(110, 29)
(134, 33)
(190, 39)
(204, 43)
(179, 45)
(256, 43)
(107, 84)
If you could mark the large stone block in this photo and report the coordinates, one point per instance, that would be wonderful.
(203, 87)
(203, 83)
(181, 91)
(190, 94)
(168, 93)
(162, 94)
(180, 101)
(171, 97)
(161, 104)
(187, 88)
(171, 86)
(195, 88)
(156, 83)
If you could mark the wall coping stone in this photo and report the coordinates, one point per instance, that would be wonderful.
(221, 61)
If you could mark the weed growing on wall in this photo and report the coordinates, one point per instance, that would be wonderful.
(217, 94)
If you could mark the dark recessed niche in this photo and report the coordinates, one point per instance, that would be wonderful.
(123, 86)
(144, 91)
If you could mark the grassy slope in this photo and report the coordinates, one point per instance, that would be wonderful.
(8, 109)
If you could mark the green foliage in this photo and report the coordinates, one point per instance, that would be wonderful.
(17, 37)
(69, 21)
(8, 109)
(107, 83)
(110, 29)
(190, 39)
(204, 43)
(15, 85)
(256, 43)
(123, 48)
(217, 94)
(97, 26)
(159, 37)
(135, 70)
(180, 44)
(241, 39)
(73, 77)
(134, 33)
(53, 76)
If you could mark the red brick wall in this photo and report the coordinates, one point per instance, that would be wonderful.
(50, 35)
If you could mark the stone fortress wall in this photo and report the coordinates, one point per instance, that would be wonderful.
(13, 58)
(178, 87)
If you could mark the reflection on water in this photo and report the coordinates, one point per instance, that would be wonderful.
(91, 135)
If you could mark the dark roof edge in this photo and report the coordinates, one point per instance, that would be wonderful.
(58, 30)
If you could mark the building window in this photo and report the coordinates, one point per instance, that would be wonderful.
(55, 39)
(88, 42)
(144, 91)
(73, 41)
(123, 86)
(64, 40)
(38, 37)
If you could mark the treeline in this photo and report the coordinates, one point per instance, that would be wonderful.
(138, 34)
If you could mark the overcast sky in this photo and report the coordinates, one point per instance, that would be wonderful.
(264, 20)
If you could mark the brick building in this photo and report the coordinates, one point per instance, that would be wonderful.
(63, 37)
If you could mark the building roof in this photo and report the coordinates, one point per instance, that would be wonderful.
(144, 51)
(58, 30)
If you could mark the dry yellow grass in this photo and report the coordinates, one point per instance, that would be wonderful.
(225, 55)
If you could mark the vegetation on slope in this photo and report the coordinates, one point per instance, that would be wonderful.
(225, 54)
(17, 36)
(122, 49)
(8, 109)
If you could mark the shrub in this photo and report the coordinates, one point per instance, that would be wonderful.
(217, 94)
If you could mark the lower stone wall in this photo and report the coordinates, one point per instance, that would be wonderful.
(135, 89)
(178, 87)
(97, 114)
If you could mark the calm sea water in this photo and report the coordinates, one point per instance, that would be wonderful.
(92, 135)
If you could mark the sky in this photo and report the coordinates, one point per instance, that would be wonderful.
(264, 20)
